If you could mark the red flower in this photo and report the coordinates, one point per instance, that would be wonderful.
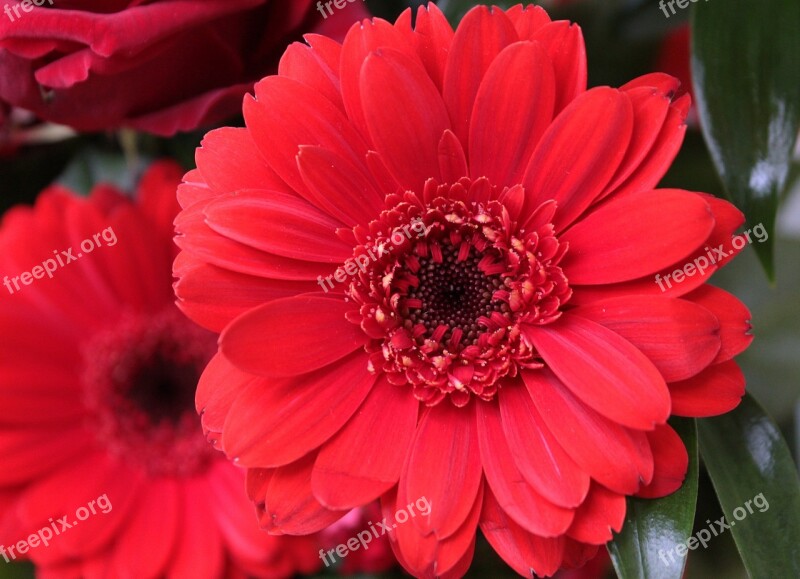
(161, 66)
(97, 422)
(495, 340)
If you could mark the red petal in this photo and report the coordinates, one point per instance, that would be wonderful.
(517, 93)
(316, 65)
(287, 114)
(679, 337)
(407, 122)
(452, 160)
(733, 316)
(602, 121)
(636, 235)
(563, 42)
(433, 37)
(526, 553)
(160, 502)
(516, 497)
(276, 423)
(361, 40)
(291, 336)
(671, 463)
(650, 109)
(343, 190)
(716, 390)
(653, 167)
(229, 160)
(200, 551)
(527, 19)
(482, 34)
(598, 517)
(352, 469)
(213, 297)
(727, 220)
(443, 466)
(278, 223)
(606, 450)
(604, 370)
(203, 244)
(290, 506)
(537, 454)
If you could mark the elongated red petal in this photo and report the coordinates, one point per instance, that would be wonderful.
(679, 337)
(563, 43)
(256, 341)
(290, 506)
(481, 35)
(537, 454)
(516, 497)
(353, 468)
(526, 553)
(601, 119)
(716, 390)
(603, 448)
(733, 316)
(278, 223)
(607, 246)
(405, 124)
(598, 517)
(604, 370)
(276, 423)
(671, 463)
(444, 466)
(517, 92)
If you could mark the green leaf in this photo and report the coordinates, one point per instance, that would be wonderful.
(654, 527)
(746, 457)
(16, 570)
(746, 71)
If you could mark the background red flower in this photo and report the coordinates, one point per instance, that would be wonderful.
(162, 66)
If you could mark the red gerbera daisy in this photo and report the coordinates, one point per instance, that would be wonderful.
(432, 257)
(102, 450)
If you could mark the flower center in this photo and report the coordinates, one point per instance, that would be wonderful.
(139, 382)
(447, 311)
(452, 298)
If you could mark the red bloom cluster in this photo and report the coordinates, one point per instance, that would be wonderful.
(516, 365)
(97, 377)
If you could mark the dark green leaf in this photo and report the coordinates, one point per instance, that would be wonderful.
(746, 71)
(653, 528)
(747, 458)
(15, 570)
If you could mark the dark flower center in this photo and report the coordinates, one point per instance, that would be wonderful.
(451, 296)
(447, 311)
(139, 381)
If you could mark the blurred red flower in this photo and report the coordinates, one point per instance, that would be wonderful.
(494, 339)
(97, 377)
(161, 66)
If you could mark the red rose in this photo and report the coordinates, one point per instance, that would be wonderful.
(161, 66)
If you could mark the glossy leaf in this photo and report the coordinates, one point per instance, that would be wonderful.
(653, 528)
(746, 72)
(747, 457)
